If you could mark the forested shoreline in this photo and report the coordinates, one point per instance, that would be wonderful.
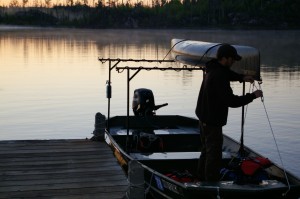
(258, 14)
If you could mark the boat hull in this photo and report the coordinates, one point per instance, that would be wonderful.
(180, 156)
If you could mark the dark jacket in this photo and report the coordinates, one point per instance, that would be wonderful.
(216, 95)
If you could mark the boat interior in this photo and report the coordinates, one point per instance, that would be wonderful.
(169, 143)
(172, 143)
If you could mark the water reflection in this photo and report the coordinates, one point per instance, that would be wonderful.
(70, 57)
(277, 47)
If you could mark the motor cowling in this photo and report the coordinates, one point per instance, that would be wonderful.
(143, 102)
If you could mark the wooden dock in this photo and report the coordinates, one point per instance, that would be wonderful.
(59, 169)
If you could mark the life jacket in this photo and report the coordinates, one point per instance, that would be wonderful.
(250, 165)
(248, 170)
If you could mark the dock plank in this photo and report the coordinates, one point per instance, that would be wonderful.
(59, 169)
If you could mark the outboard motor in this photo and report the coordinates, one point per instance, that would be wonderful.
(143, 102)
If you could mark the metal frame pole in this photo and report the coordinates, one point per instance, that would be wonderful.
(242, 125)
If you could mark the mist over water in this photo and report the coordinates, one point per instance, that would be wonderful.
(52, 83)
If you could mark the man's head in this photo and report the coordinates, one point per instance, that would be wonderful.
(226, 50)
(227, 55)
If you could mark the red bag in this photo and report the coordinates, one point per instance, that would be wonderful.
(251, 165)
(178, 176)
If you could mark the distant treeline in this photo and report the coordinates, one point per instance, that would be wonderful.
(282, 14)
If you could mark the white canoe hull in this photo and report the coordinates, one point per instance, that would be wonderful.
(198, 53)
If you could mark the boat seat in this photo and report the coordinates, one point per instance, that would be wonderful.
(177, 131)
(172, 156)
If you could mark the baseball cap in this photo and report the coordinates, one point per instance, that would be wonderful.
(226, 50)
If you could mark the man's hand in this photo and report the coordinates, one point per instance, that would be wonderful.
(248, 78)
(258, 93)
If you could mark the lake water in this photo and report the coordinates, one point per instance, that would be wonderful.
(52, 84)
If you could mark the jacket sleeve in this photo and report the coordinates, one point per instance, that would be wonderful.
(232, 100)
(235, 101)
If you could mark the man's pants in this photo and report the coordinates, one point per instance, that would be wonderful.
(210, 161)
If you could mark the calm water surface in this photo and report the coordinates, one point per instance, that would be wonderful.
(52, 84)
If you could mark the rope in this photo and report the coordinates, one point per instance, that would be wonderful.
(218, 193)
(284, 170)
(173, 47)
(148, 188)
(248, 104)
(207, 52)
(131, 185)
(201, 56)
